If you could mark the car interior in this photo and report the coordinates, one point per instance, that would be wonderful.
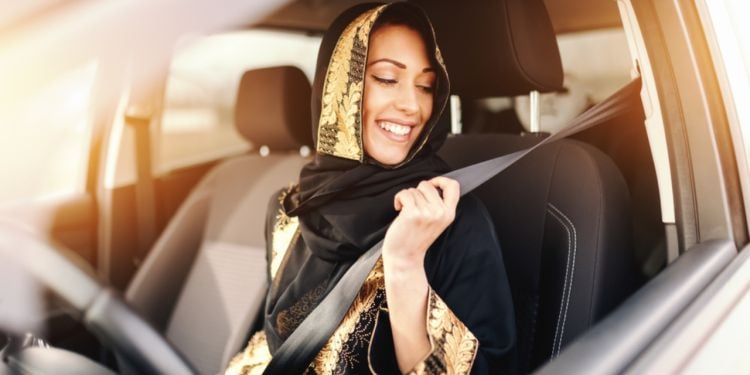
(579, 220)
(222, 222)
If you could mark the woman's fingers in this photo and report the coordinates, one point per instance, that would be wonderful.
(420, 202)
(430, 192)
(424, 214)
(411, 200)
(401, 198)
(450, 188)
(427, 201)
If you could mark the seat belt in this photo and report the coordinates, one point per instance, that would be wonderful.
(139, 119)
(299, 349)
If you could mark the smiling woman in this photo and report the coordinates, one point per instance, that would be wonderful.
(438, 300)
(398, 94)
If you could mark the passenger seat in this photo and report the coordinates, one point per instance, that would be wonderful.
(204, 281)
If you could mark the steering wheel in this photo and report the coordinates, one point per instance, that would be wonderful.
(102, 311)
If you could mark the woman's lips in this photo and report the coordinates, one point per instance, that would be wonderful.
(395, 131)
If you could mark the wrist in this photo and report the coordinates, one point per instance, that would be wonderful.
(404, 276)
(403, 261)
(402, 258)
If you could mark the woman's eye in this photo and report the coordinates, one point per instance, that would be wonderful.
(426, 88)
(385, 81)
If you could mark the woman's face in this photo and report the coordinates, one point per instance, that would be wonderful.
(397, 101)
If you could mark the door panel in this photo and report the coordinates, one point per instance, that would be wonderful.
(74, 225)
(71, 221)
(618, 340)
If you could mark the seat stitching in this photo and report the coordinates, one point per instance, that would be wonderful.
(572, 272)
(558, 336)
(565, 282)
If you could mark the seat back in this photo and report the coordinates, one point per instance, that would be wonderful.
(562, 219)
(204, 281)
(561, 213)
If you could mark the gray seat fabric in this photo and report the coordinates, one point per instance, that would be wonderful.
(204, 281)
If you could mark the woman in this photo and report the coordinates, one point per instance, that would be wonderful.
(438, 300)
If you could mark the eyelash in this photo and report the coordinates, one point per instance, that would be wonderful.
(426, 89)
(385, 81)
(391, 82)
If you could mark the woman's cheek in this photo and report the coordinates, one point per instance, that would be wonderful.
(426, 106)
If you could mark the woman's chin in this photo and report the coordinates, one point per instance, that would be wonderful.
(389, 158)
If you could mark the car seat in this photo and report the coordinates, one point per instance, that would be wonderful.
(561, 213)
(204, 281)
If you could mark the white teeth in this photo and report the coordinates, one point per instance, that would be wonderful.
(395, 128)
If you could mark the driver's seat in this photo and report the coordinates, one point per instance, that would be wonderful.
(562, 212)
(204, 281)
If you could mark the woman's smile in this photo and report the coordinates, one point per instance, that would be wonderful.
(397, 93)
(397, 131)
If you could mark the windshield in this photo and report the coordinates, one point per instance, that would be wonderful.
(45, 139)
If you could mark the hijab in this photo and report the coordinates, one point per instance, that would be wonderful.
(344, 199)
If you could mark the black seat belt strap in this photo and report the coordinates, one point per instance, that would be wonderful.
(299, 349)
(139, 119)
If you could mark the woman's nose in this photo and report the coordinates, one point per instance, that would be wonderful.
(407, 99)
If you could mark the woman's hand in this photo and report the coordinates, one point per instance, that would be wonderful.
(424, 215)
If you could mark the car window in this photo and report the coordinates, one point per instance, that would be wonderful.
(197, 124)
(596, 63)
(729, 38)
(45, 138)
(732, 33)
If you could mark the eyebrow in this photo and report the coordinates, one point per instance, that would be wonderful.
(398, 64)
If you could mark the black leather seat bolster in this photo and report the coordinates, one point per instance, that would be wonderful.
(562, 219)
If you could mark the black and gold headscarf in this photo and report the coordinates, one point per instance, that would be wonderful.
(344, 200)
(343, 203)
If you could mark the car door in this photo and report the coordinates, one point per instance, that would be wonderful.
(711, 333)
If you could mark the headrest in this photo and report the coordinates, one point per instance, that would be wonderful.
(496, 48)
(273, 108)
(556, 109)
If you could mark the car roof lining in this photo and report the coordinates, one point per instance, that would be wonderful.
(566, 15)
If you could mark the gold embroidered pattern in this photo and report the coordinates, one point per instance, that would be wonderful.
(330, 357)
(285, 230)
(454, 347)
(339, 130)
(288, 320)
(253, 360)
